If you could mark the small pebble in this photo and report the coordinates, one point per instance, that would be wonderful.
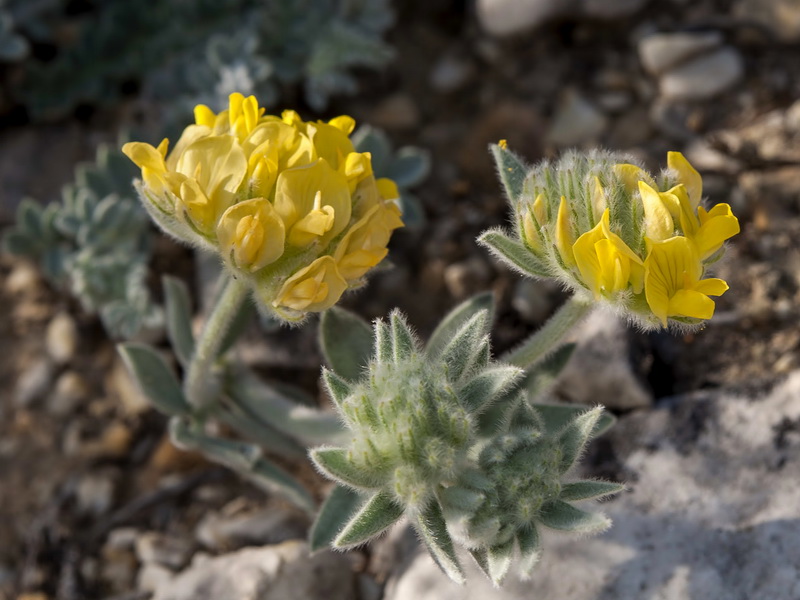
(467, 277)
(153, 576)
(703, 77)
(62, 338)
(576, 121)
(167, 551)
(95, 493)
(34, 382)
(662, 51)
(23, 278)
(451, 73)
(70, 391)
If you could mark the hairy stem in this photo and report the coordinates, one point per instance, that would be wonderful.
(547, 338)
(201, 385)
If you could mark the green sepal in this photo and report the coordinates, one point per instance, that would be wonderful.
(481, 556)
(338, 508)
(565, 517)
(541, 377)
(335, 464)
(383, 343)
(379, 513)
(587, 489)
(511, 170)
(529, 550)
(572, 440)
(556, 416)
(178, 305)
(338, 389)
(346, 342)
(403, 342)
(432, 529)
(481, 391)
(154, 376)
(499, 560)
(454, 320)
(244, 458)
(464, 346)
(513, 253)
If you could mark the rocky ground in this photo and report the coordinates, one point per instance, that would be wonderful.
(96, 503)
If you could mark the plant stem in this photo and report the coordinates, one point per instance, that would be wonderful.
(546, 338)
(201, 385)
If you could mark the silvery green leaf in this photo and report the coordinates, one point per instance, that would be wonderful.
(156, 379)
(410, 166)
(455, 319)
(373, 140)
(335, 463)
(587, 489)
(255, 430)
(511, 170)
(179, 318)
(384, 352)
(19, 244)
(565, 517)
(514, 253)
(338, 389)
(432, 529)
(29, 218)
(403, 342)
(464, 346)
(529, 550)
(375, 516)
(338, 508)
(482, 389)
(346, 342)
(572, 440)
(270, 477)
(499, 560)
(413, 213)
(556, 416)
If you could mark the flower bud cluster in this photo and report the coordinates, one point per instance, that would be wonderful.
(289, 205)
(420, 448)
(610, 230)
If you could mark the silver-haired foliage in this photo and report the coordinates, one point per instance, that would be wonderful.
(94, 243)
(448, 438)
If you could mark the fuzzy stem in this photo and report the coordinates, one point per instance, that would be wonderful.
(201, 386)
(546, 338)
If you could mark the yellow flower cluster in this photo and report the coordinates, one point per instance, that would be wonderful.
(288, 204)
(610, 228)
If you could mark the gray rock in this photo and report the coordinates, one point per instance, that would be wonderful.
(662, 51)
(70, 391)
(467, 277)
(61, 338)
(576, 121)
(703, 77)
(508, 17)
(165, 550)
(711, 512)
(95, 493)
(780, 17)
(270, 573)
(34, 382)
(534, 300)
(600, 369)
(451, 73)
(269, 526)
(153, 576)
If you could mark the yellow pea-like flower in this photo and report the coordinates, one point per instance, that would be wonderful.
(687, 175)
(314, 288)
(364, 245)
(565, 238)
(251, 235)
(291, 207)
(672, 281)
(658, 221)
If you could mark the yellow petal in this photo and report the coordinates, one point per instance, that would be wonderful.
(690, 303)
(197, 206)
(717, 225)
(711, 287)
(314, 288)
(615, 268)
(219, 166)
(364, 245)
(331, 143)
(296, 194)
(189, 136)
(540, 210)
(530, 232)
(682, 209)
(204, 116)
(687, 175)
(344, 124)
(619, 243)
(630, 176)
(564, 236)
(250, 234)
(587, 260)
(657, 219)
(387, 189)
(144, 155)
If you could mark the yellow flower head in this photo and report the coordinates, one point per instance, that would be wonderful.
(612, 231)
(289, 205)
